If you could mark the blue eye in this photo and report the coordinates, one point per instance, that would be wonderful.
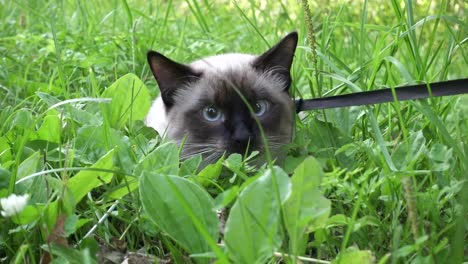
(260, 107)
(211, 113)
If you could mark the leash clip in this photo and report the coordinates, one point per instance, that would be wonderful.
(299, 105)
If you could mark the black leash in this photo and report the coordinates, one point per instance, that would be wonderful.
(411, 92)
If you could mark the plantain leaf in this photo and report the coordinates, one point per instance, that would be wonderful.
(252, 228)
(28, 166)
(182, 209)
(164, 159)
(306, 209)
(50, 129)
(77, 187)
(86, 180)
(130, 100)
(210, 173)
(355, 256)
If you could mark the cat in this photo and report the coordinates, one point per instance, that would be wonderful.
(214, 106)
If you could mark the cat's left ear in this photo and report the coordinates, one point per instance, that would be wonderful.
(170, 75)
(279, 58)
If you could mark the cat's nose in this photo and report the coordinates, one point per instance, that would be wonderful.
(242, 135)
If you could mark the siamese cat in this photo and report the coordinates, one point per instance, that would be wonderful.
(220, 105)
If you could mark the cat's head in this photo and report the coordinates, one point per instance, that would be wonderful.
(215, 105)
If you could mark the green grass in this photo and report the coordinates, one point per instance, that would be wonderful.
(394, 175)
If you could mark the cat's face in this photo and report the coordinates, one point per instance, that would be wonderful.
(221, 104)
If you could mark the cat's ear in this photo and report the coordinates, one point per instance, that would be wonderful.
(279, 58)
(170, 75)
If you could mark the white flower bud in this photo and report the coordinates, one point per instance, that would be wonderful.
(13, 204)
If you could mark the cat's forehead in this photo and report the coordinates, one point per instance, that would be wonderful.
(228, 88)
(224, 77)
(224, 88)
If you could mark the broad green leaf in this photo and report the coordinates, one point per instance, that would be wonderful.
(309, 172)
(234, 162)
(344, 119)
(93, 142)
(190, 165)
(4, 178)
(50, 100)
(252, 228)
(93, 246)
(306, 209)
(440, 153)
(68, 201)
(23, 119)
(417, 147)
(5, 115)
(130, 184)
(86, 180)
(291, 163)
(409, 152)
(81, 222)
(141, 145)
(440, 157)
(5, 151)
(436, 121)
(328, 135)
(69, 254)
(29, 214)
(331, 138)
(210, 173)
(405, 251)
(164, 159)
(36, 187)
(237, 165)
(20, 253)
(182, 209)
(337, 220)
(3, 192)
(367, 220)
(28, 166)
(50, 129)
(79, 185)
(355, 256)
(70, 224)
(130, 101)
(71, 111)
(226, 197)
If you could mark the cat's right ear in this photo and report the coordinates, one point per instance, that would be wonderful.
(170, 75)
(279, 58)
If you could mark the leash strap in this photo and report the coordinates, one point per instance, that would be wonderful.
(411, 92)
